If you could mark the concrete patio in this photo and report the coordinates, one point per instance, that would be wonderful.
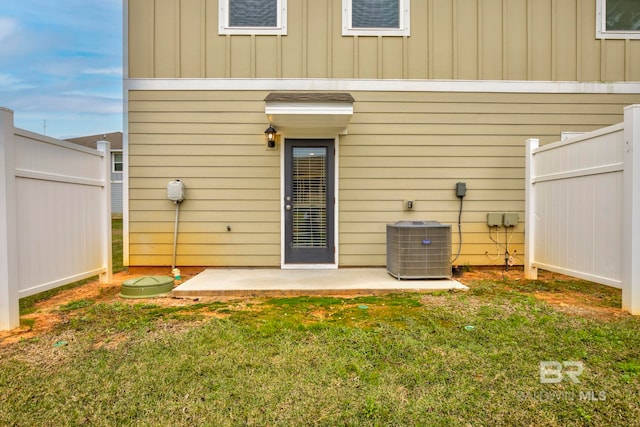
(277, 282)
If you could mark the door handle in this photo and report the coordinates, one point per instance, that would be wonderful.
(287, 207)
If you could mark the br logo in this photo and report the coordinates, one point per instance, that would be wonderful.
(553, 372)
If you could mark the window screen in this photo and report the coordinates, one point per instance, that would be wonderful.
(375, 14)
(253, 13)
(623, 15)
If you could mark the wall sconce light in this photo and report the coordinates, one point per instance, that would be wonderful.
(272, 136)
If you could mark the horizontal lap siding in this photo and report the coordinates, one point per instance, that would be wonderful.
(214, 143)
(416, 146)
(398, 146)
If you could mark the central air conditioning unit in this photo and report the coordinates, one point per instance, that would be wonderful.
(419, 250)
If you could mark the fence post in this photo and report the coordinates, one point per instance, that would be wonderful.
(9, 302)
(105, 221)
(631, 211)
(530, 271)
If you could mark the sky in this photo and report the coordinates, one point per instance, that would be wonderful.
(61, 65)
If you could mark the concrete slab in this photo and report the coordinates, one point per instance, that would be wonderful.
(277, 282)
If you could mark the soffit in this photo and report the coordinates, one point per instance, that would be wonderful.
(309, 110)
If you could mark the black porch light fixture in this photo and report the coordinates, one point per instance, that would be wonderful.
(271, 134)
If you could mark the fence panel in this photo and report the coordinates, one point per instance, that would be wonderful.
(59, 211)
(576, 201)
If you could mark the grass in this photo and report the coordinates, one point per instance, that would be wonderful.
(383, 360)
(444, 359)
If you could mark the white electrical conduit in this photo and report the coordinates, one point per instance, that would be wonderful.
(175, 236)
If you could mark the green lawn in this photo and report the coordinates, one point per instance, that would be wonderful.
(441, 359)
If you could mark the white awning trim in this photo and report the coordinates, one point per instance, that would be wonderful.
(307, 114)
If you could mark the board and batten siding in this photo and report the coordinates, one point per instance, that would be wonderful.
(545, 40)
(400, 145)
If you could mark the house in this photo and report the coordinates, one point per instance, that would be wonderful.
(115, 138)
(373, 104)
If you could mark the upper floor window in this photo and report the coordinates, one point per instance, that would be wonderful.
(252, 17)
(618, 19)
(375, 17)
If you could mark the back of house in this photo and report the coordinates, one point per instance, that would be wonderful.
(376, 110)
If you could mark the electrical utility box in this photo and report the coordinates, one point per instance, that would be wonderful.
(175, 191)
(510, 219)
(494, 219)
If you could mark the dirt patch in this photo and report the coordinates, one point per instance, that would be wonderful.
(566, 301)
(47, 313)
(580, 304)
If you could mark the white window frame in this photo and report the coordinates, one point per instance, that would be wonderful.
(225, 28)
(403, 30)
(113, 162)
(601, 25)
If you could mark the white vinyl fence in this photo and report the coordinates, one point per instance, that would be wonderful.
(583, 207)
(55, 215)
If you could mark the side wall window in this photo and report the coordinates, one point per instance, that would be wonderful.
(376, 17)
(618, 19)
(116, 162)
(252, 17)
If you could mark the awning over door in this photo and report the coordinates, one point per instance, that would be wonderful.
(301, 111)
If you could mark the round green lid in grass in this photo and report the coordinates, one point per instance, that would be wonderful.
(146, 287)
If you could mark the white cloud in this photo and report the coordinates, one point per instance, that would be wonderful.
(113, 71)
(10, 83)
(8, 27)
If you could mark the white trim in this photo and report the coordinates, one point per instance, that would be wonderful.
(125, 40)
(404, 28)
(336, 196)
(601, 25)
(276, 107)
(336, 206)
(225, 28)
(125, 137)
(282, 201)
(125, 179)
(296, 116)
(472, 86)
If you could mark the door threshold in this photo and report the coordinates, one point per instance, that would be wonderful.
(309, 267)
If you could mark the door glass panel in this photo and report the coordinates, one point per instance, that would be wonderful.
(309, 179)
